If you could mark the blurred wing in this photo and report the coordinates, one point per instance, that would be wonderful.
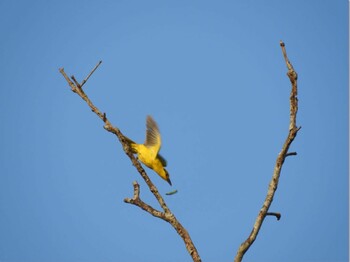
(153, 140)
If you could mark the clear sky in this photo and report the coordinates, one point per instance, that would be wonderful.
(212, 75)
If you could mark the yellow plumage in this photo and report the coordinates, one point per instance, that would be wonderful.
(148, 153)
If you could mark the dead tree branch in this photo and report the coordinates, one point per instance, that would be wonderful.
(293, 130)
(166, 214)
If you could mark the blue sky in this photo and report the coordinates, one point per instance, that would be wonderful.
(212, 75)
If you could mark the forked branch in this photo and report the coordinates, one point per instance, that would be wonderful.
(166, 214)
(293, 130)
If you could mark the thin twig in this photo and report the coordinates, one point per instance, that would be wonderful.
(166, 215)
(293, 130)
(291, 154)
(75, 82)
(92, 71)
(277, 215)
(136, 200)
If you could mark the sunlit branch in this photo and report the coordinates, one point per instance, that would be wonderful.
(293, 130)
(166, 215)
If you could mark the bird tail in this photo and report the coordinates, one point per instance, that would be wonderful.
(131, 144)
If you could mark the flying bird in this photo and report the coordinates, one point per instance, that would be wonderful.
(148, 153)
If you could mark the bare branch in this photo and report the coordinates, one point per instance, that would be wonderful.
(293, 130)
(75, 82)
(166, 215)
(136, 200)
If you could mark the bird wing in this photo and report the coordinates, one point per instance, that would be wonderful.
(153, 140)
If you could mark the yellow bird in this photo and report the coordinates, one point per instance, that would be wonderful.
(148, 153)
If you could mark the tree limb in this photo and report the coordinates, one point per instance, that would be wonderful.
(166, 215)
(293, 130)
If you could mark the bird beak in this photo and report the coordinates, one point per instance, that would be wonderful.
(168, 180)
